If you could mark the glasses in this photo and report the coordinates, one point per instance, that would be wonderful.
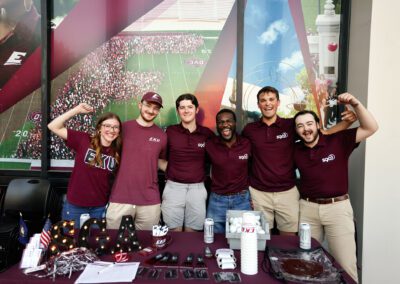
(109, 127)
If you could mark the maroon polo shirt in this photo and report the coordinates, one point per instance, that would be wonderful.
(229, 166)
(324, 168)
(186, 153)
(272, 167)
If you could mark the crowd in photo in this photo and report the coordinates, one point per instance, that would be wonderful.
(174, 43)
(32, 146)
(102, 78)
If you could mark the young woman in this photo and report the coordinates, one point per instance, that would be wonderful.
(96, 159)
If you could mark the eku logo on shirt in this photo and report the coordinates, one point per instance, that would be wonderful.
(201, 145)
(282, 136)
(331, 157)
(15, 58)
(154, 139)
(244, 157)
(107, 162)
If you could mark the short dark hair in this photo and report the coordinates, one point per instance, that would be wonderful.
(187, 96)
(267, 89)
(303, 112)
(226, 110)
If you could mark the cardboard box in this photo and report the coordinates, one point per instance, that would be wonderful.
(234, 238)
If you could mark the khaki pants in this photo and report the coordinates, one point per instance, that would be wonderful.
(284, 206)
(145, 216)
(335, 222)
(184, 205)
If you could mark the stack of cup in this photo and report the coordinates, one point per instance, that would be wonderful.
(248, 245)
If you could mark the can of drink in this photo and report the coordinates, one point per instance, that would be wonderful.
(305, 236)
(83, 219)
(209, 231)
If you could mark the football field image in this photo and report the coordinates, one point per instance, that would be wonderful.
(178, 73)
(112, 78)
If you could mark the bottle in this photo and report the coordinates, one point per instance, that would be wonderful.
(305, 236)
(208, 230)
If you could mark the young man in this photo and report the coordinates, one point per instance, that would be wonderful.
(323, 164)
(229, 154)
(135, 191)
(272, 177)
(184, 196)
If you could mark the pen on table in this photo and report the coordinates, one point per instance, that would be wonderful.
(106, 268)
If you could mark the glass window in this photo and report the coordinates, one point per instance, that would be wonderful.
(109, 58)
(294, 47)
(20, 100)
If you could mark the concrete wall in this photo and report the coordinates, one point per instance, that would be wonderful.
(358, 85)
(375, 189)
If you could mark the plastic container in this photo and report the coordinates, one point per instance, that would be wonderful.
(234, 238)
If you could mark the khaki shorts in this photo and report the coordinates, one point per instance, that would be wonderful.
(282, 206)
(335, 222)
(145, 216)
(184, 205)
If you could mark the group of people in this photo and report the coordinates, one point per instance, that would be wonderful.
(98, 83)
(254, 170)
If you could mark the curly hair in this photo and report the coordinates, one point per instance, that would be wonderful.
(116, 145)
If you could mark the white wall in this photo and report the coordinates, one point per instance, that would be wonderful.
(381, 219)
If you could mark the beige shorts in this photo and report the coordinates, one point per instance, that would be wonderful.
(335, 222)
(145, 216)
(184, 205)
(282, 206)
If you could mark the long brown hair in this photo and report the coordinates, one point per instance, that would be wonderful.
(116, 145)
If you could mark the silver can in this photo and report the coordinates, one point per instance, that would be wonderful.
(305, 235)
(83, 219)
(209, 231)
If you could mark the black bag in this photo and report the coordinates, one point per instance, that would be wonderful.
(10, 248)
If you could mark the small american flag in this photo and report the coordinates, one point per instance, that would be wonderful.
(45, 236)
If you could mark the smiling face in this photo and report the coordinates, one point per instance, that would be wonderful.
(149, 111)
(268, 104)
(109, 131)
(226, 126)
(307, 129)
(187, 111)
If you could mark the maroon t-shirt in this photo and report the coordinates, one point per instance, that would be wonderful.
(15, 49)
(186, 153)
(137, 179)
(324, 168)
(272, 167)
(89, 185)
(229, 166)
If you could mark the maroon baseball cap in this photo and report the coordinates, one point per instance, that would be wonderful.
(152, 97)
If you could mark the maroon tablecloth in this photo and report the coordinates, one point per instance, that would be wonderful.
(183, 243)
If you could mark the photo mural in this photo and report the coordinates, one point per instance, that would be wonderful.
(109, 53)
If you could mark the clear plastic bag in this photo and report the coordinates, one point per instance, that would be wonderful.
(305, 266)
